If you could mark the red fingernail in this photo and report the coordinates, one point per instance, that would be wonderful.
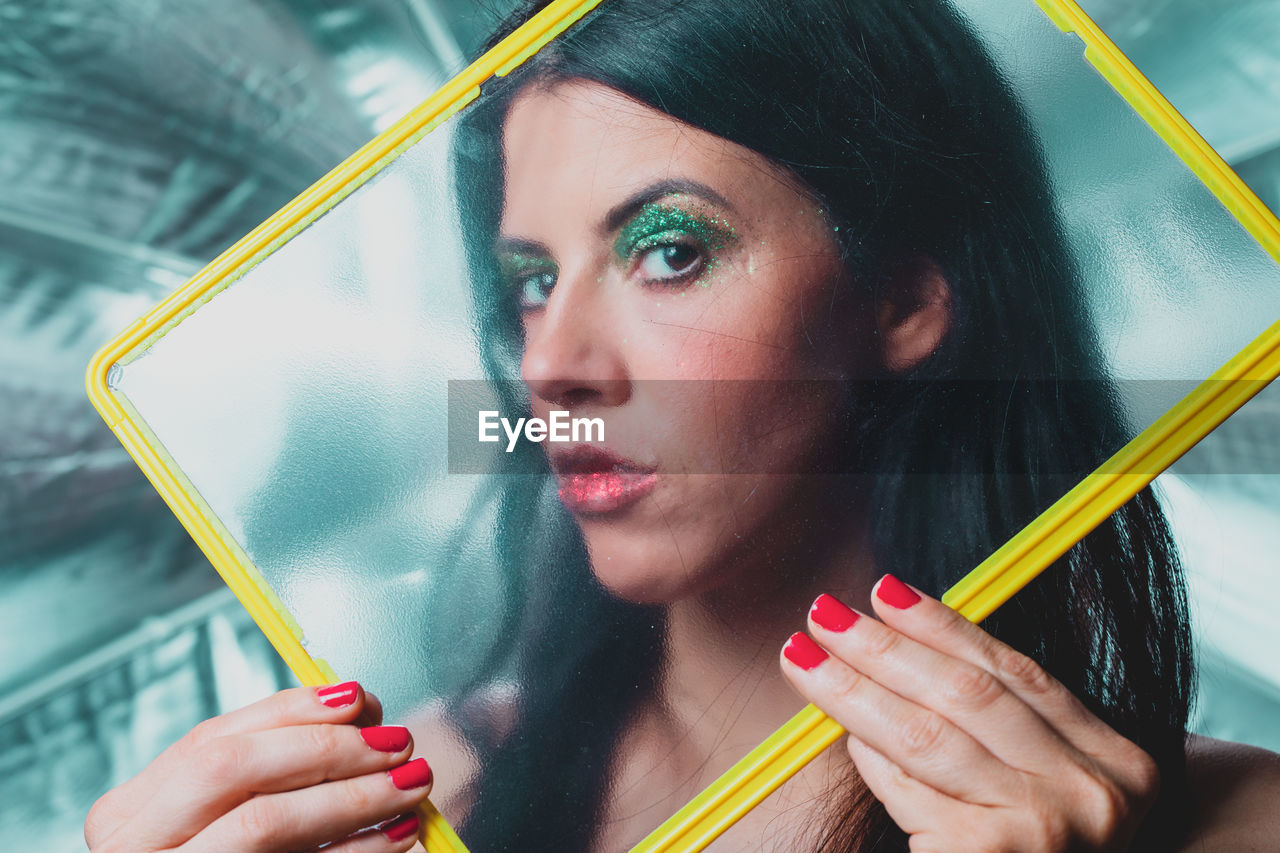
(895, 593)
(832, 614)
(339, 695)
(400, 828)
(414, 774)
(804, 652)
(386, 738)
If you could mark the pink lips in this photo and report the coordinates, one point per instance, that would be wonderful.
(594, 481)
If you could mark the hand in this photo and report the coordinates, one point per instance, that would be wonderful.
(969, 744)
(288, 773)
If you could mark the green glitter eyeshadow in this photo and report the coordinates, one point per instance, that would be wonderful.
(656, 224)
(521, 271)
(513, 264)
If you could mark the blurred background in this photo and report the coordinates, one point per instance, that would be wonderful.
(140, 138)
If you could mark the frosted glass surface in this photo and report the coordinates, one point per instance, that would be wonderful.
(321, 406)
(305, 403)
(1177, 286)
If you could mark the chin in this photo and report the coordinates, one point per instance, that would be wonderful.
(641, 575)
(628, 581)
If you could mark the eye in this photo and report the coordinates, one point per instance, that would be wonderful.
(670, 262)
(533, 289)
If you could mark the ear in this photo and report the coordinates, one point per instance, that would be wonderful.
(914, 313)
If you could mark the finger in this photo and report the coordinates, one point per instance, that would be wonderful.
(935, 625)
(914, 806)
(397, 835)
(966, 694)
(920, 741)
(227, 771)
(316, 815)
(339, 703)
(1102, 755)
(372, 713)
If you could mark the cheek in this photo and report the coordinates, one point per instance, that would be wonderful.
(787, 315)
(732, 331)
(774, 404)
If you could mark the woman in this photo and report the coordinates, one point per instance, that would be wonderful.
(774, 246)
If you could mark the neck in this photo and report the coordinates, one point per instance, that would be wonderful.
(721, 688)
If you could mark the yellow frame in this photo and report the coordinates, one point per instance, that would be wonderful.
(977, 595)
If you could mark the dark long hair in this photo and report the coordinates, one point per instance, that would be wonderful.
(893, 115)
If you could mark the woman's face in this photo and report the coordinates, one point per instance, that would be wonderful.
(686, 292)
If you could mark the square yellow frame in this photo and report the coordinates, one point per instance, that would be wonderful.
(976, 596)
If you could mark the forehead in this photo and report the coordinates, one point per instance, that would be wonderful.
(578, 146)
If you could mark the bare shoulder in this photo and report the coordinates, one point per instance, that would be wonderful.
(1235, 791)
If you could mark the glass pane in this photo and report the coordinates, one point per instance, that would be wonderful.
(799, 336)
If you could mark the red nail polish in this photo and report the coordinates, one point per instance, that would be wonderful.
(895, 593)
(804, 652)
(386, 738)
(832, 614)
(398, 829)
(339, 695)
(413, 774)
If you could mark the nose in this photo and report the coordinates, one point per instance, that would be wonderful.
(572, 355)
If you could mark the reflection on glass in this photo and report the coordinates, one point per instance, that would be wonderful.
(846, 305)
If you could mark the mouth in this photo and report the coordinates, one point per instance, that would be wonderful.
(594, 481)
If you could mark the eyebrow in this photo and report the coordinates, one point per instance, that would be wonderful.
(624, 210)
(515, 245)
